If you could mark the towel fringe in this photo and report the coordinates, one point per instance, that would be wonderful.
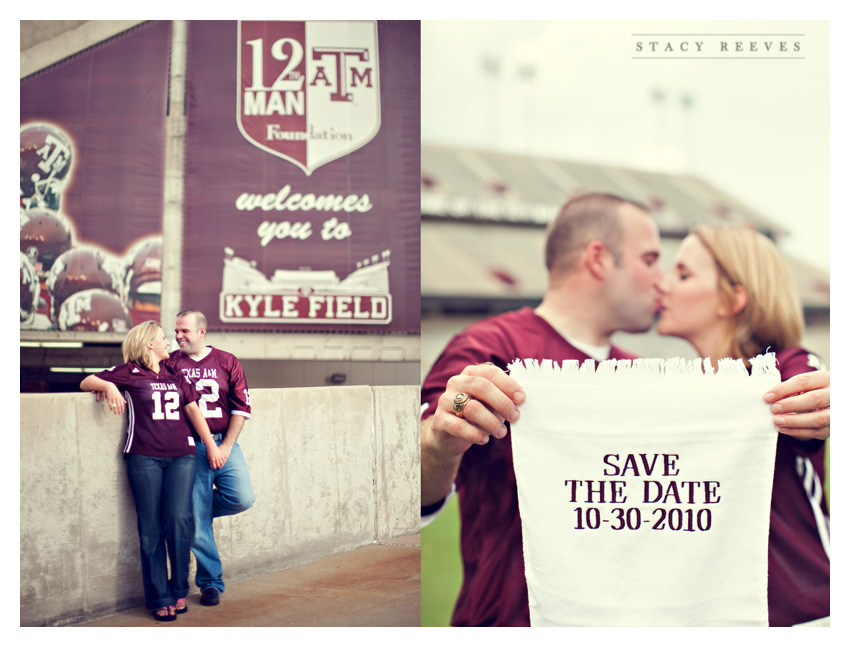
(641, 369)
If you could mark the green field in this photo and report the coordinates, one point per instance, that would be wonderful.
(441, 567)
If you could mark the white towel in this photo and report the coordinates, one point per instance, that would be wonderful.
(644, 491)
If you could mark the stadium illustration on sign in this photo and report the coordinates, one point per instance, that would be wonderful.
(306, 296)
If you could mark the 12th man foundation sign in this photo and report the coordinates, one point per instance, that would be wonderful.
(307, 204)
(308, 91)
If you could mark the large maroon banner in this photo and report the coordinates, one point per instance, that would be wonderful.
(92, 156)
(302, 176)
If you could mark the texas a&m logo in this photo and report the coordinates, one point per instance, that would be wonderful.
(308, 92)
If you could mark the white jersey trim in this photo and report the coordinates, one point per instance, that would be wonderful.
(820, 622)
(428, 518)
(814, 491)
(131, 419)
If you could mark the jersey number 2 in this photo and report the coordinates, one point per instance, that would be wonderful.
(209, 399)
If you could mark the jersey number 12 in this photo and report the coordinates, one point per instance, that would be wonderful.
(172, 405)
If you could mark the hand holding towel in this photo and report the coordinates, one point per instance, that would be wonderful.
(644, 491)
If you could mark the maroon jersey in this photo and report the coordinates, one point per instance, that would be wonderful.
(494, 591)
(221, 384)
(798, 549)
(157, 424)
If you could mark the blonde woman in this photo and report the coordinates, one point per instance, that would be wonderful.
(160, 459)
(730, 295)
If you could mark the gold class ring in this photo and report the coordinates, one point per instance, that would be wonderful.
(458, 403)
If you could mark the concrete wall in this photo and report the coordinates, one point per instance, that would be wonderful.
(333, 468)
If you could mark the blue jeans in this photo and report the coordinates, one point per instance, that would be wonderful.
(232, 494)
(162, 490)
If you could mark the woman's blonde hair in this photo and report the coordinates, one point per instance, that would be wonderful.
(772, 318)
(135, 344)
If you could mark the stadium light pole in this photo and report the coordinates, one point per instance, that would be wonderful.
(527, 73)
(493, 68)
(658, 98)
(688, 103)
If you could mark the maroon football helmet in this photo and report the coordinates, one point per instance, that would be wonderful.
(30, 289)
(143, 275)
(81, 268)
(45, 162)
(44, 237)
(94, 310)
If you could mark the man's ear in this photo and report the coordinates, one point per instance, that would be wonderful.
(598, 259)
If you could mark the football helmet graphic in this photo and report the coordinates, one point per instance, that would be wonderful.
(46, 155)
(143, 275)
(94, 310)
(44, 237)
(78, 269)
(30, 288)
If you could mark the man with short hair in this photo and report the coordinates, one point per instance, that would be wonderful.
(225, 403)
(602, 256)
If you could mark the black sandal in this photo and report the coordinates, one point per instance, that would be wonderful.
(169, 616)
(178, 609)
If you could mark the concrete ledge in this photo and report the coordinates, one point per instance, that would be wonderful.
(332, 468)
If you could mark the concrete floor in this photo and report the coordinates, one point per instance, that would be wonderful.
(371, 586)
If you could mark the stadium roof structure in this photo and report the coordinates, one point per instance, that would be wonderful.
(483, 216)
(462, 183)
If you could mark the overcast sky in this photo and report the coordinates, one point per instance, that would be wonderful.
(756, 128)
